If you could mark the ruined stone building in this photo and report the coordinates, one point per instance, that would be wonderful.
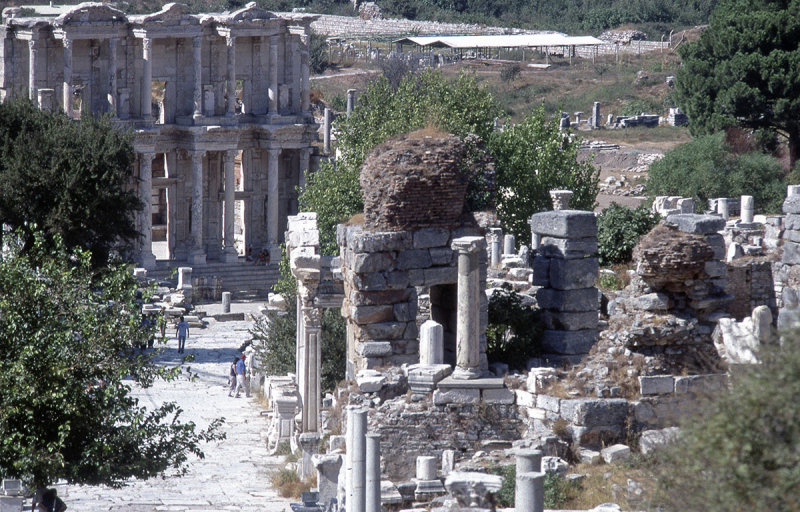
(218, 105)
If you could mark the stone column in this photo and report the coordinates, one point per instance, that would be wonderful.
(528, 461)
(273, 204)
(296, 74)
(351, 101)
(468, 314)
(33, 51)
(305, 84)
(197, 54)
(229, 254)
(305, 167)
(566, 268)
(529, 492)
(373, 469)
(273, 75)
(359, 426)
(722, 207)
(431, 343)
(509, 245)
(146, 258)
(230, 44)
(147, 78)
(311, 363)
(226, 302)
(560, 199)
(348, 458)
(495, 237)
(197, 256)
(328, 467)
(747, 209)
(67, 91)
(112, 75)
(596, 115)
(326, 131)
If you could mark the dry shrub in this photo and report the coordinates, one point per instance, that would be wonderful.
(289, 485)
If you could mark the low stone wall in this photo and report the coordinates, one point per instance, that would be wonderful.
(411, 429)
(751, 284)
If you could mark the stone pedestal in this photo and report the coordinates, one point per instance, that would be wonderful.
(309, 446)
(509, 245)
(560, 199)
(428, 484)
(722, 208)
(423, 378)
(468, 314)
(185, 283)
(328, 467)
(748, 209)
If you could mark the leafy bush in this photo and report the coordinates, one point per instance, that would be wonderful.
(532, 158)
(619, 229)
(513, 334)
(510, 72)
(706, 168)
(318, 53)
(739, 451)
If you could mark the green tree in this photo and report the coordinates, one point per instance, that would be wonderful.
(318, 53)
(461, 107)
(706, 167)
(67, 364)
(69, 179)
(532, 158)
(619, 229)
(745, 69)
(739, 451)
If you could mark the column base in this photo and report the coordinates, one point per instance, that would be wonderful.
(466, 373)
(275, 254)
(230, 255)
(197, 257)
(147, 260)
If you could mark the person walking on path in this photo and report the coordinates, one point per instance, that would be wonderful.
(241, 378)
(182, 332)
(232, 376)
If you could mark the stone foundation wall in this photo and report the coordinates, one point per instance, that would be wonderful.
(751, 284)
(410, 429)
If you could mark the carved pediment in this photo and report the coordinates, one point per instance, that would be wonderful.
(91, 12)
(250, 12)
(172, 13)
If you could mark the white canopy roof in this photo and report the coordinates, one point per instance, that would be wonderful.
(502, 41)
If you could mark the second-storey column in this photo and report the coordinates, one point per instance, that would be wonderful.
(273, 203)
(112, 76)
(230, 43)
(67, 91)
(197, 55)
(273, 75)
(229, 253)
(305, 88)
(146, 257)
(147, 78)
(33, 51)
(296, 74)
(197, 255)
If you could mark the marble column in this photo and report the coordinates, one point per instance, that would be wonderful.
(509, 245)
(326, 131)
(305, 87)
(229, 254)
(351, 101)
(273, 75)
(296, 74)
(230, 44)
(359, 426)
(146, 258)
(197, 255)
(529, 492)
(147, 78)
(273, 204)
(305, 167)
(373, 469)
(112, 75)
(33, 51)
(495, 243)
(468, 309)
(197, 45)
(747, 209)
(431, 343)
(311, 365)
(67, 90)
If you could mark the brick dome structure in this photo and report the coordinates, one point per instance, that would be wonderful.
(414, 181)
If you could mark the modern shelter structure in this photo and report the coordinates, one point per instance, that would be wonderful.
(218, 105)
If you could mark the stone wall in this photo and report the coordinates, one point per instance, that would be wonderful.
(410, 429)
(384, 274)
(751, 284)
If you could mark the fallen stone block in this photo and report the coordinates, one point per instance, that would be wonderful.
(651, 440)
(656, 384)
(695, 223)
(615, 453)
(564, 224)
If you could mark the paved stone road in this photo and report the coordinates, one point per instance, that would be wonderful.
(234, 476)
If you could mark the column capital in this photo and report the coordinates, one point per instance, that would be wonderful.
(147, 43)
(230, 40)
(67, 42)
(33, 43)
(196, 154)
(228, 156)
(146, 155)
(197, 42)
(468, 244)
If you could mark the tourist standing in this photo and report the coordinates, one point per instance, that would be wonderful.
(241, 378)
(232, 376)
(182, 332)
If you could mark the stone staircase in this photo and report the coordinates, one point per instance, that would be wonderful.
(245, 280)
